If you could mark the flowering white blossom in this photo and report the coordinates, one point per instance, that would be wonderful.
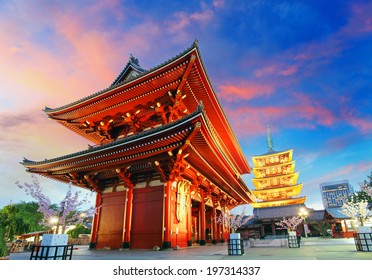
(289, 223)
(233, 221)
(357, 210)
(67, 213)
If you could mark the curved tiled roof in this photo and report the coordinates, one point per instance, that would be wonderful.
(118, 142)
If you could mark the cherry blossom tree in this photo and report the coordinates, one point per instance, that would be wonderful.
(356, 207)
(290, 223)
(233, 221)
(65, 214)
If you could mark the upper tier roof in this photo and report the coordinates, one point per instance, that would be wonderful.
(138, 91)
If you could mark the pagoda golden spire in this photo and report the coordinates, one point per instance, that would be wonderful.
(270, 144)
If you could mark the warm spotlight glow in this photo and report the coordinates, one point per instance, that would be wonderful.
(54, 220)
(303, 212)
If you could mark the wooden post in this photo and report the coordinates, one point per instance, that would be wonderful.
(167, 221)
(93, 241)
(128, 217)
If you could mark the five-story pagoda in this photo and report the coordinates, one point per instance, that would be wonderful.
(275, 178)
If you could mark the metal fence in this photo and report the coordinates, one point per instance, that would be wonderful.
(63, 252)
(363, 241)
(294, 241)
(235, 247)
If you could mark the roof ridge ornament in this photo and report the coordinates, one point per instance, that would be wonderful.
(134, 60)
(196, 42)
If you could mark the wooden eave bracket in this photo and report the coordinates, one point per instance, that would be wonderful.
(91, 182)
(125, 176)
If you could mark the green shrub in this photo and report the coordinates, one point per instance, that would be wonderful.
(3, 249)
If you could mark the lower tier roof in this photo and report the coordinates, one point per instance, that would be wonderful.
(147, 153)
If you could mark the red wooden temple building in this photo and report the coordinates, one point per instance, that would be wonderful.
(165, 162)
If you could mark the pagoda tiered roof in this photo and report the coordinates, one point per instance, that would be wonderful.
(273, 158)
(277, 193)
(276, 181)
(278, 169)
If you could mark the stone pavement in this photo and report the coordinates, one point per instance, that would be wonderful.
(311, 249)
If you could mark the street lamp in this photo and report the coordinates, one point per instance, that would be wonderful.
(303, 214)
(54, 221)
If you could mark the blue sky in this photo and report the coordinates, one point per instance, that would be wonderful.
(303, 67)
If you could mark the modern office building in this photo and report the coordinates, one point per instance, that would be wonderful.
(335, 193)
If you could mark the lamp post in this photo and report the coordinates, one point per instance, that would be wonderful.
(303, 214)
(54, 221)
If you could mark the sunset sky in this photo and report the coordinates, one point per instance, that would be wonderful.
(303, 67)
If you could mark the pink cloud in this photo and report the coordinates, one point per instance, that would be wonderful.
(248, 120)
(218, 3)
(184, 20)
(350, 116)
(352, 172)
(47, 76)
(265, 71)
(328, 48)
(313, 55)
(82, 57)
(289, 71)
(363, 125)
(244, 90)
(276, 70)
(360, 21)
(311, 109)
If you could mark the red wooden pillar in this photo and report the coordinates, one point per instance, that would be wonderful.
(128, 217)
(202, 240)
(167, 220)
(93, 241)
